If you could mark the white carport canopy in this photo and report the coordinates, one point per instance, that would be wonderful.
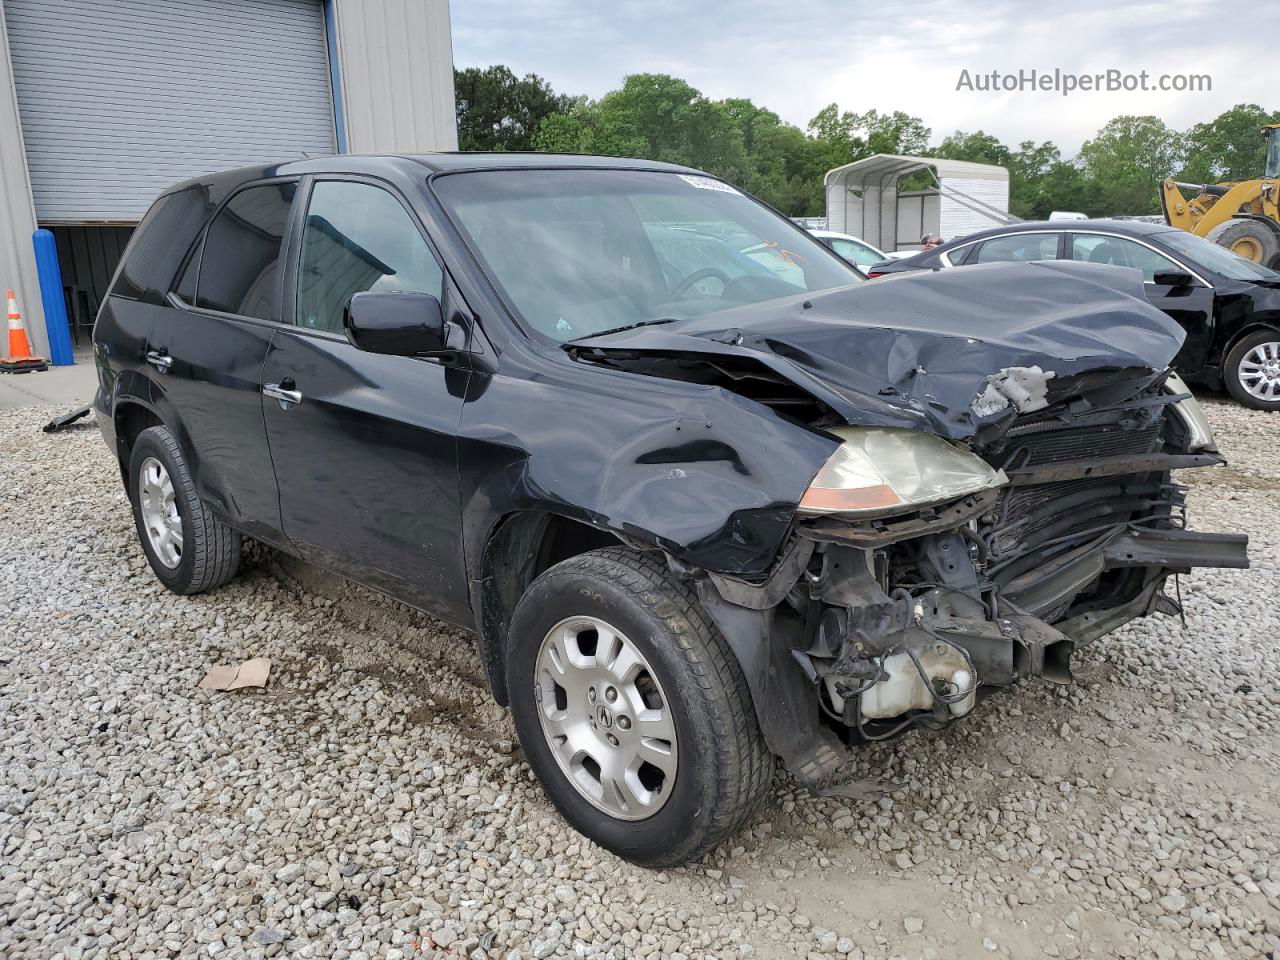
(862, 199)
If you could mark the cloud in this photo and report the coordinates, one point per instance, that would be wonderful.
(795, 57)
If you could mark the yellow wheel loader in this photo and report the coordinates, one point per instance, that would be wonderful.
(1244, 217)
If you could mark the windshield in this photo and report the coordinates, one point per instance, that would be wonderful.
(1272, 169)
(1215, 258)
(857, 253)
(578, 252)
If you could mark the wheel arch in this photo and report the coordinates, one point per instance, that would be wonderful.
(131, 416)
(1253, 325)
(519, 547)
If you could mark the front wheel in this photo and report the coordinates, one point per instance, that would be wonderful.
(1251, 370)
(632, 710)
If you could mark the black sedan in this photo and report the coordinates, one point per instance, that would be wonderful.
(1230, 307)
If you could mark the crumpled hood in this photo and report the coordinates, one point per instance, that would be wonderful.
(950, 352)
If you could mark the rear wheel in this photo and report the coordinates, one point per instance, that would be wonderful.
(1247, 238)
(1251, 370)
(632, 710)
(188, 548)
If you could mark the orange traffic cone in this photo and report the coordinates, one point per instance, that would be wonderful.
(20, 359)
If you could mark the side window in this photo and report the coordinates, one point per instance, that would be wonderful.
(358, 237)
(160, 242)
(1092, 248)
(242, 252)
(1018, 248)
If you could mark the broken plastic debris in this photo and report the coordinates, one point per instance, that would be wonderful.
(1025, 387)
(251, 673)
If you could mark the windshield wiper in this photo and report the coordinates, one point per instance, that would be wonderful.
(629, 326)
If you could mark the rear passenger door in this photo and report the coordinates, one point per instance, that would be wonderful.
(207, 354)
(364, 444)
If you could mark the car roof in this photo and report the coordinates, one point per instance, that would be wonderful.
(409, 164)
(834, 235)
(1136, 228)
(518, 161)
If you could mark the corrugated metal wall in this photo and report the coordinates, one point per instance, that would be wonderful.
(959, 218)
(396, 60)
(119, 100)
(17, 218)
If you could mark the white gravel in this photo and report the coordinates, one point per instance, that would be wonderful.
(369, 803)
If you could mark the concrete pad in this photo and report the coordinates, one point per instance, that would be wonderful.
(71, 386)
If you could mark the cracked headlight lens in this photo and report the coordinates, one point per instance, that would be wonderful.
(879, 470)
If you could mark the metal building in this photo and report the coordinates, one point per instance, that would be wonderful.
(864, 201)
(102, 105)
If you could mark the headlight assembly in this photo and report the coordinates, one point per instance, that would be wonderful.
(1199, 433)
(878, 470)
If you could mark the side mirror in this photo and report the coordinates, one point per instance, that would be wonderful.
(401, 324)
(1173, 278)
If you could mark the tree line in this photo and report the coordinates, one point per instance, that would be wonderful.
(659, 117)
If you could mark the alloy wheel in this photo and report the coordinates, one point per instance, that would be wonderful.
(1259, 371)
(159, 509)
(606, 718)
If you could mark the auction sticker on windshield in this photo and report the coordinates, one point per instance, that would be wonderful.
(706, 183)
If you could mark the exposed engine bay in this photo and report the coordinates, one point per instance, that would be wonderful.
(905, 621)
(1001, 494)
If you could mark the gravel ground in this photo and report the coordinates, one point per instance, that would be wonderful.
(370, 802)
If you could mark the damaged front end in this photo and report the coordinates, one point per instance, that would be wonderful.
(1002, 493)
(880, 619)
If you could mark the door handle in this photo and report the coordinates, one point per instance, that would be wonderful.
(160, 359)
(282, 391)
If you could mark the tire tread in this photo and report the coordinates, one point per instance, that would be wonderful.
(743, 764)
(213, 545)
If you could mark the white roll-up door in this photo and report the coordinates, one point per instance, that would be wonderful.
(121, 99)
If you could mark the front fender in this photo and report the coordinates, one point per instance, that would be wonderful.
(709, 477)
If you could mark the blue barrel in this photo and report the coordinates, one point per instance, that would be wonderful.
(55, 307)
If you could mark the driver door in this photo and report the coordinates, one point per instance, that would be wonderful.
(364, 445)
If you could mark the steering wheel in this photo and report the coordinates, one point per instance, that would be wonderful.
(706, 273)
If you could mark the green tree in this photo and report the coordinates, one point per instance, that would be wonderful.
(976, 147)
(1228, 147)
(586, 129)
(1126, 161)
(1038, 180)
(852, 136)
(497, 110)
(895, 132)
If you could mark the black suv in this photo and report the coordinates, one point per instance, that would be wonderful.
(704, 497)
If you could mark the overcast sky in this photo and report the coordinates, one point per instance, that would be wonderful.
(796, 56)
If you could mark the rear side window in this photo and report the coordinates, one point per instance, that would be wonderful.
(160, 243)
(241, 260)
(1019, 248)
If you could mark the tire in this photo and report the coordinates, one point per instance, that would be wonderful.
(202, 552)
(722, 768)
(1247, 238)
(1259, 353)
